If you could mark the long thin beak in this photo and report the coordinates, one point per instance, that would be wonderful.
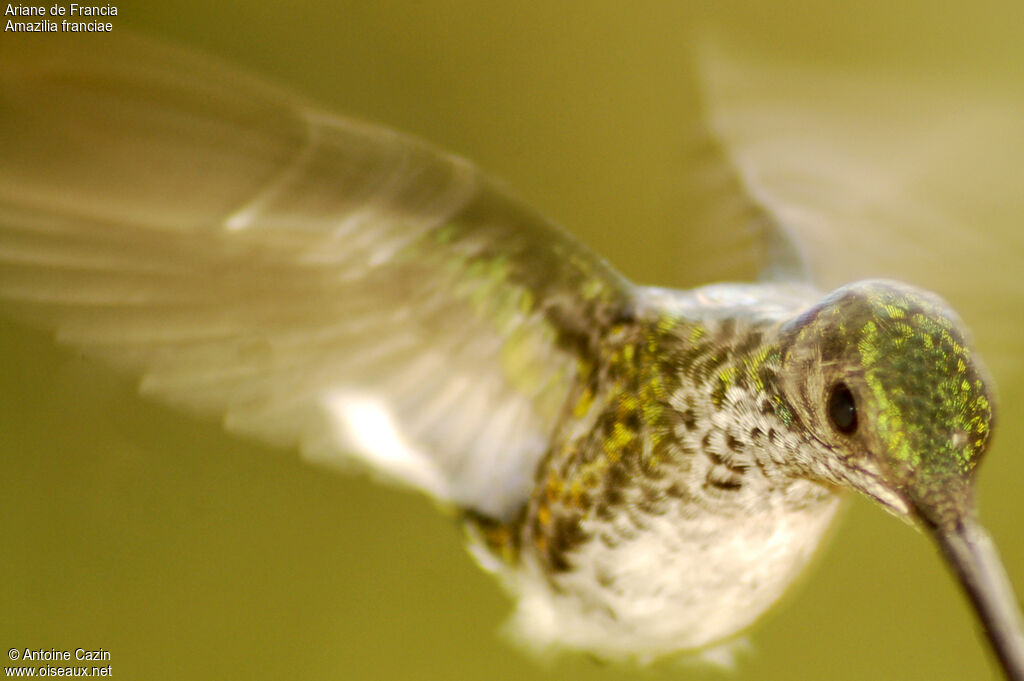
(972, 555)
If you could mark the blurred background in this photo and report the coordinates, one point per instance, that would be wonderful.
(188, 554)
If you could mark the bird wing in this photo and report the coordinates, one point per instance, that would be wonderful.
(314, 281)
(731, 233)
(911, 176)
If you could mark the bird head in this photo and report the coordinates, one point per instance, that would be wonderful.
(882, 377)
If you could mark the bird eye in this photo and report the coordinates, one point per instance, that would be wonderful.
(842, 409)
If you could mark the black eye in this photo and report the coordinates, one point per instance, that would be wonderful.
(842, 410)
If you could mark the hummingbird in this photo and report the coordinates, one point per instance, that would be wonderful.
(645, 470)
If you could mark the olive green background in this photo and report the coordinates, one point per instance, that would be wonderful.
(188, 554)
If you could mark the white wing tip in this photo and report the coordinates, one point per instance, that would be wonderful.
(365, 424)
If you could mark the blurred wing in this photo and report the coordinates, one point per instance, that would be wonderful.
(315, 281)
(730, 235)
(913, 178)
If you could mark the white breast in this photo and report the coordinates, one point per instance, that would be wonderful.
(682, 584)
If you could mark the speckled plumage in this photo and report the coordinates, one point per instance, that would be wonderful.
(659, 521)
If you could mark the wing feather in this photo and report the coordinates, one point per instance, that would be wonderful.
(883, 176)
(311, 280)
